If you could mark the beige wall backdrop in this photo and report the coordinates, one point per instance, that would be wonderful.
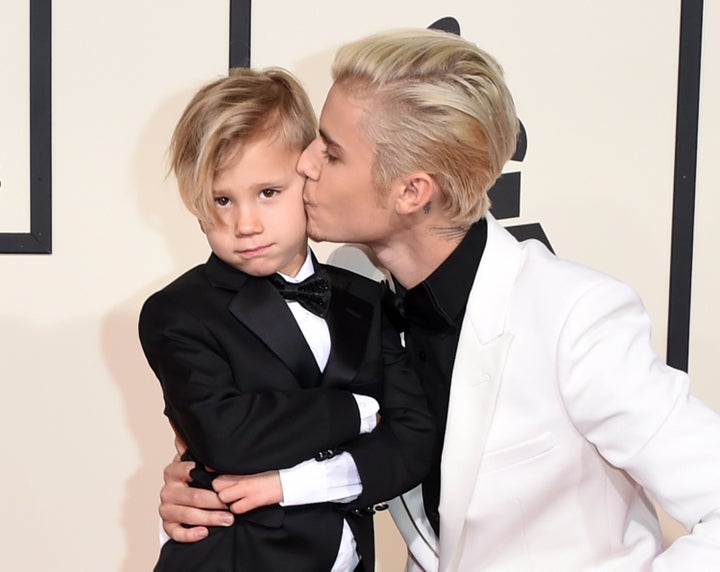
(83, 438)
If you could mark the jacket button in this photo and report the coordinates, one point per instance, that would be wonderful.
(326, 454)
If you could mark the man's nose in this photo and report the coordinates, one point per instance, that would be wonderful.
(310, 162)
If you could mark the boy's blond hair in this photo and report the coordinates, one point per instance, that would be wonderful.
(435, 103)
(229, 113)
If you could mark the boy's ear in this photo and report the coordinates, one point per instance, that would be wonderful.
(415, 191)
(202, 226)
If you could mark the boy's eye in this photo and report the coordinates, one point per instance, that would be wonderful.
(269, 193)
(222, 201)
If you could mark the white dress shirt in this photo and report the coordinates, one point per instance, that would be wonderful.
(335, 479)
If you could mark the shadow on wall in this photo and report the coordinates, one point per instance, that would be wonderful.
(159, 203)
(314, 74)
(160, 208)
(149, 429)
(48, 402)
(61, 446)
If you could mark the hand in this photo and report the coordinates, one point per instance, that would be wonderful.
(243, 493)
(180, 446)
(180, 503)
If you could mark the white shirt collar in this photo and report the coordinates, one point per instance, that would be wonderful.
(306, 270)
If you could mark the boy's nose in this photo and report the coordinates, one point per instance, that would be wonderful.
(247, 222)
(309, 164)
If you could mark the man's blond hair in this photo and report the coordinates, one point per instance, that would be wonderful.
(229, 113)
(435, 103)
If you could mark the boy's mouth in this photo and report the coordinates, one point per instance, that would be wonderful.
(255, 251)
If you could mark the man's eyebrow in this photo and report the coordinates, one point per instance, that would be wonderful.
(329, 140)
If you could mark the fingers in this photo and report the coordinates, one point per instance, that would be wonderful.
(244, 505)
(252, 500)
(231, 489)
(245, 493)
(197, 508)
(178, 494)
(181, 534)
(173, 514)
(180, 445)
(222, 482)
(178, 472)
(180, 505)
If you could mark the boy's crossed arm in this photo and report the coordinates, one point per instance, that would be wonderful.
(198, 508)
(390, 460)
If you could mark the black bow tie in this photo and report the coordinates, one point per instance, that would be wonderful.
(313, 293)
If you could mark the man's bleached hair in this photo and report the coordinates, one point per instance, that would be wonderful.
(434, 103)
(228, 114)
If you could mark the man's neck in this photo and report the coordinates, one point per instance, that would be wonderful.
(415, 252)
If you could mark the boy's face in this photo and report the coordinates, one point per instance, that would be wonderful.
(341, 202)
(260, 227)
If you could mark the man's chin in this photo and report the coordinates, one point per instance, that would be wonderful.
(318, 234)
(314, 233)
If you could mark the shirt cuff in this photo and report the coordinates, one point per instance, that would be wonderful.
(162, 534)
(332, 480)
(368, 408)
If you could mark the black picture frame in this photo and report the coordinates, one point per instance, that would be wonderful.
(39, 239)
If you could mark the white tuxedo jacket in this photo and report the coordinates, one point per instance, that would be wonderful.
(562, 422)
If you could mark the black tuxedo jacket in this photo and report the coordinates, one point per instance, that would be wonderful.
(243, 390)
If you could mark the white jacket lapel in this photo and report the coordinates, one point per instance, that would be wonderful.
(477, 374)
(473, 394)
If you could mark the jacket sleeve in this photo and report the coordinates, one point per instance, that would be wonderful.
(397, 455)
(638, 412)
(227, 429)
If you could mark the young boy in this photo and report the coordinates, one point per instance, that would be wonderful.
(254, 382)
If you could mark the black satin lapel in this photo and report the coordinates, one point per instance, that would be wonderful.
(259, 306)
(223, 275)
(349, 323)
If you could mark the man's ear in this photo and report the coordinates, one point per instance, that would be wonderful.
(415, 193)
